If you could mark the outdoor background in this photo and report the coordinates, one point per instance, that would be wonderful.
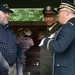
(32, 14)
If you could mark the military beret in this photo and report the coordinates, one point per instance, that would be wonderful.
(4, 7)
(49, 10)
(66, 4)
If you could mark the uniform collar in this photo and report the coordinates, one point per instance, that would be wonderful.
(50, 28)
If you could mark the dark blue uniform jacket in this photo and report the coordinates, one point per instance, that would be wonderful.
(63, 47)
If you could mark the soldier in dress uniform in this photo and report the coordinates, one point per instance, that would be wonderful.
(63, 44)
(50, 17)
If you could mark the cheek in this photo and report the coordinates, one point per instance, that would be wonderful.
(44, 19)
(1, 19)
(60, 17)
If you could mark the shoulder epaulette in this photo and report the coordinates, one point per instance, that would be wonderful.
(70, 23)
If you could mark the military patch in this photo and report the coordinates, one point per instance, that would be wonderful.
(48, 8)
(6, 6)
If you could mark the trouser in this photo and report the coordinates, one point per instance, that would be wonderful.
(20, 68)
(12, 70)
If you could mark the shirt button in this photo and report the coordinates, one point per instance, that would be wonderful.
(57, 64)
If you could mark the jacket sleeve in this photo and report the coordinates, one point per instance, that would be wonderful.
(62, 41)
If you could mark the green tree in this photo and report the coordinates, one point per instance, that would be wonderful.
(26, 15)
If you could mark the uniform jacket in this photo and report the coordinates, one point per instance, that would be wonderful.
(46, 55)
(64, 47)
(8, 44)
(53, 30)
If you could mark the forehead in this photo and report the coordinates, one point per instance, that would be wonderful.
(49, 15)
(63, 9)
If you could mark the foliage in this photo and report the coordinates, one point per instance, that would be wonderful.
(26, 15)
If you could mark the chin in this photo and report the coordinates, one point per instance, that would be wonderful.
(5, 22)
(49, 25)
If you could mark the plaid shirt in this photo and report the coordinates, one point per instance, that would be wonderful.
(8, 44)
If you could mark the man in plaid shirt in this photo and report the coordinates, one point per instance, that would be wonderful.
(7, 40)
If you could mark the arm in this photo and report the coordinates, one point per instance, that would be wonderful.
(62, 41)
(31, 42)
